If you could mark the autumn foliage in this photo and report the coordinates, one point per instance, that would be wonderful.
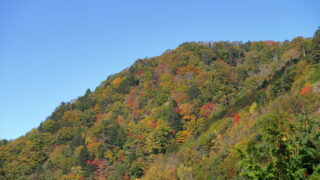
(188, 69)
(207, 109)
(307, 89)
(177, 116)
(236, 118)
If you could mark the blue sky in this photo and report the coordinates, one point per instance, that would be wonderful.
(52, 51)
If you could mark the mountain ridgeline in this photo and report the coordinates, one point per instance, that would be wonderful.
(205, 110)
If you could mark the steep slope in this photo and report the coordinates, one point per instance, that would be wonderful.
(202, 111)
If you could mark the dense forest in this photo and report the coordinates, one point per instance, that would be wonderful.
(205, 110)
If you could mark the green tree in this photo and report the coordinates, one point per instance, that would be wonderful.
(64, 135)
(315, 53)
(80, 156)
(85, 102)
(285, 151)
(193, 92)
(112, 133)
(76, 141)
(167, 113)
(87, 118)
(49, 126)
(158, 140)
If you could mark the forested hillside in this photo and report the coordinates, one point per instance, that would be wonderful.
(205, 110)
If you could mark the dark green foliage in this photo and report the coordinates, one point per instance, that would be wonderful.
(87, 118)
(76, 141)
(283, 84)
(315, 53)
(113, 134)
(59, 111)
(118, 173)
(136, 170)
(49, 126)
(280, 155)
(168, 114)
(65, 135)
(193, 92)
(84, 102)
(162, 96)
(315, 74)
(131, 80)
(81, 155)
(206, 144)
(158, 140)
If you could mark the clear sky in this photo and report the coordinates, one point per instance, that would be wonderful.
(53, 50)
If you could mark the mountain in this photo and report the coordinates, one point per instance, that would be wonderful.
(205, 110)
